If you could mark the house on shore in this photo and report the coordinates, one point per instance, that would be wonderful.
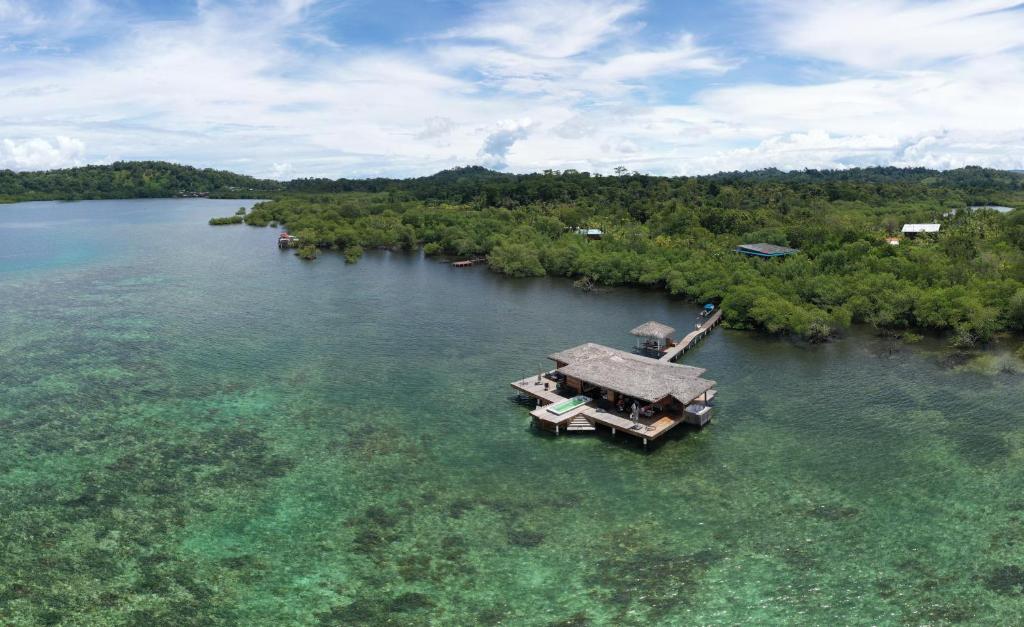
(590, 233)
(912, 231)
(765, 250)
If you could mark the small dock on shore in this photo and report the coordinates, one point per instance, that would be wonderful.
(645, 397)
(467, 263)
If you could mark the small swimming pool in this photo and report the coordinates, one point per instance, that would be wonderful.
(568, 405)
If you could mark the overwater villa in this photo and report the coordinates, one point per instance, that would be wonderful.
(593, 385)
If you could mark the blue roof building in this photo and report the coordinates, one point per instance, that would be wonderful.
(765, 250)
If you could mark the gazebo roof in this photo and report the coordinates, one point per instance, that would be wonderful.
(653, 329)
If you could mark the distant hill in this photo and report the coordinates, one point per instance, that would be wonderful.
(160, 179)
(127, 179)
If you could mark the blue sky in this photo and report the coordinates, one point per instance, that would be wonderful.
(285, 88)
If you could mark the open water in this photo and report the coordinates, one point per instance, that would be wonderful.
(197, 428)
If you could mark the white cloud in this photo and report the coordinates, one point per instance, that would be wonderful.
(606, 73)
(38, 153)
(548, 29)
(435, 127)
(295, 7)
(523, 86)
(17, 17)
(499, 142)
(685, 55)
(281, 171)
(26, 25)
(794, 151)
(953, 149)
(510, 70)
(981, 96)
(888, 34)
(821, 150)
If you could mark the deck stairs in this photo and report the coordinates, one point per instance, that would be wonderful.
(579, 423)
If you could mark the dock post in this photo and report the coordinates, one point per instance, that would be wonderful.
(613, 430)
(645, 442)
(556, 429)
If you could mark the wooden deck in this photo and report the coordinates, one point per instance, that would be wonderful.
(693, 337)
(466, 263)
(542, 414)
(645, 428)
(530, 386)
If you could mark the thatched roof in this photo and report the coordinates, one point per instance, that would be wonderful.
(590, 350)
(641, 377)
(582, 353)
(654, 329)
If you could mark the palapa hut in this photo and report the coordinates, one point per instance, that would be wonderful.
(610, 374)
(653, 337)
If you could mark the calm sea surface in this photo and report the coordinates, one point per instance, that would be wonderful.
(196, 428)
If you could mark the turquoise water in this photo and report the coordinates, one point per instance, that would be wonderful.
(198, 428)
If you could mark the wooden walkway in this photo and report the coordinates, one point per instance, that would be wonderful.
(466, 263)
(693, 337)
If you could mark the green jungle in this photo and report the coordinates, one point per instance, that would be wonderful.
(676, 233)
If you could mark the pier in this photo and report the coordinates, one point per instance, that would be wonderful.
(698, 334)
(644, 397)
(466, 263)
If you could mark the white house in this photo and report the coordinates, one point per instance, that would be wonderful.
(913, 230)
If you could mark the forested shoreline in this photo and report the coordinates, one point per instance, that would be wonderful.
(679, 234)
(674, 233)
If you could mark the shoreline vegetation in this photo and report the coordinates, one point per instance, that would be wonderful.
(673, 233)
(237, 218)
(679, 234)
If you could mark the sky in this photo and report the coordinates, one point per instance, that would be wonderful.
(361, 88)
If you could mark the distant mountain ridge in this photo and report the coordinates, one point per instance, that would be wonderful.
(126, 179)
(160, 179)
